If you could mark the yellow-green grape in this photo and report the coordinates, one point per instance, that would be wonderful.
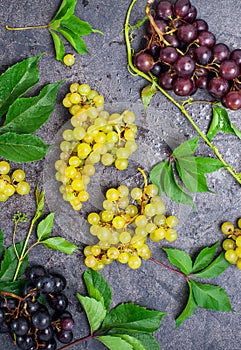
(65, 146)
(171, 221)
(94, 230)
(77, 207)
(84, 89)
(70, 171)
(125, 237)
(239, 223)
(136, 193)
(118, 222)
(107, 159)
(122, 153)
(141, 220)
(68, 135)
(159, 207)
(23, 188)
(114, 239)
(106, 215)
(121, 163)
(90, 261)
(113, 253)
(123, 190)
(87, 250)
(106, 260)
(93, 218)
(231, 256)
(5, 177)
(123, 257)
(94, 157)
(238, 252)
(83, 150)
(9, 190)
(69, 60)
(137, 241)
(73, 87)
(141, 231)
(129, 134)
(134, 262)
(83, 196)
(159, 220)
(95, 250)
(123, 202)
(151, 190)
(88, 169)
(112, 194)
(227, 228)
(238, 264)
(104, 234)
(4, 167)
(108, 205)
(171, 235)
(158, 234)
(74, 161)
(132, 210)
(75, 98)
(18, 175)
(112, 137)
(79, 133)
(150, 227)
(150, 209)
(229, 244)
(128, 117)
(99, 266)
(3, 197)
(238, 241)
(144, 252)
(2, 185)
(98, 100)
(131, 146)
(66, 102)
(85, 179)
(100, 137)
(74, 109)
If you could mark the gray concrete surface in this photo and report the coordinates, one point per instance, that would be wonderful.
(105, 69)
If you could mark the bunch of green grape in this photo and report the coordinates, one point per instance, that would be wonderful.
(124, 225)
(232, 244)
(11, 183)
(95, 136)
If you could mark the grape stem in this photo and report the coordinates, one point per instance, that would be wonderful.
(28, 27)
(169, 268)
(76, 342)
(132, 68)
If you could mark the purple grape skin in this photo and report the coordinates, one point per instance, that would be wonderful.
(187, 33)
(166, 80)
(161, 25)
(206, 38)
(184, 66)
(218, 87)
(191, 15)
(172, 40)
(203, 55)
(164, 10)
(221, 52)
(232, 100)
(181, 8)
(183, 86)
(236, 56)
(229, 69)
(168, 54)
(201, 82)
(200, 25)
(144, 62)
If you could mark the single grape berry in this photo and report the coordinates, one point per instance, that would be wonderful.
(41, 319)
(45, 284)
(19, 326)
(144, 62)
(35, 272)
(64, 336)
(58, 301)
(69, 60)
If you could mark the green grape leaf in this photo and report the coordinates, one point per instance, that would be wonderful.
(45, 227)
(39, 197)
(217, 266)
(134, 342)
(10, 261)
(17, 80)
(13, 287)
(114, 343)
(189, 308)
(58, 46)
(76, 41)
(77, 26)
(130, 316)
(60, 244)
(204, 257)
(94, 309)
(146, 339)
(146, 94)
(22, 148)
(180, 259)
(98, 288)
(221, 122)
(156, 175)
(206, 165)
(1, 243)
(172, 188)
(65, 10)
(28, 114)
(186, 148)
(211, 297)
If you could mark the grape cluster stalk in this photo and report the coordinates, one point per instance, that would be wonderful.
(181, 55)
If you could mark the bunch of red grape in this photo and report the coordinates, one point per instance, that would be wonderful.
(37, 319)
(184, 56)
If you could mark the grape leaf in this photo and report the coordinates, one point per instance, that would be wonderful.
(65, 10)
(207, 165)
(146, 339)
(97, 287)
(94, 309)
(39, 197)
(1, 243)
(221, 122)
(60, 244)
(146, 95)
(204, 257)
(76, 41)
(210, 297)
(186, 148)
(22, 148)
(189, 308)
(45, 226)
(156, 175)
(10, 261)
(130, 316)
(218, 266)
(17, 80)
(58, 46)
(114, 343)
(180, 259)
(77, 26)
(13, 287)
(28, 114)
(134, 342)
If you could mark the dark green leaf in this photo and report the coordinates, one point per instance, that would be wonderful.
(76, 41)
(17, 80)
(10, 261)
(45, 227)
(186, 148)
(95, 311)
(28, 114)
(204, 257)
(65, 10)
(135, 343)
(221, 122)
(58, 46)
(97, 287)
(180, 259)
(218, 266)
(13, 287)
(130, 316)
(1, 243)
(210, 297)
(173, 190)
(147, 340)
(77, 26)
(22, 148)
(59, 243)
(156, 175)
(146, 95)
(207, 165)
(114, 343)
(189, 308)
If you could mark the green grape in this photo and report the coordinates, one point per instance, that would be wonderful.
(65, 146)
(238, 241)
(137, 241)
(64, 156)
(94, 157)
(118, 222)
(93, 218)
(115, 238)
(18, 175)
(83, 196)
(104, 234)
(108, 205)
(150, 227)
(141, 231)
(89, 170)
(121, 163)
(95, 250)
(100, 122)
(98, 100)
(125, 237)
(171, 221)
(112, 137)
(134, 262)
(83, 150)
(231, 256)
(158, 234)
(159, 220)
(99, 266)
(84, 89)
(87, 250)
(131, 210)
(23, 188)
(104, 244)
(3, 197)
(141, 220)
(69, 60)
(112, 195)
(128, 117)
(227, 228)
(90, 261)
(79, 133)
(122, 153)
(113, 253)
(123, 257)
(229, 244)
(131, 146)
(100, 137)
(85, 179)
(106, 215)
(123, 190)
(171, 235)
(136, 193)
(151, 190)
(68, 135)
(150, 209)
(106, 260)
(159, 207)
(94, 229)
(107, 159)
(123, 202)
(144, 252)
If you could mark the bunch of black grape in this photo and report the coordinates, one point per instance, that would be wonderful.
(184, 56)
(39, 318)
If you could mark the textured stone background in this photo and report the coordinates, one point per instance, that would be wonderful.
(105, 69)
